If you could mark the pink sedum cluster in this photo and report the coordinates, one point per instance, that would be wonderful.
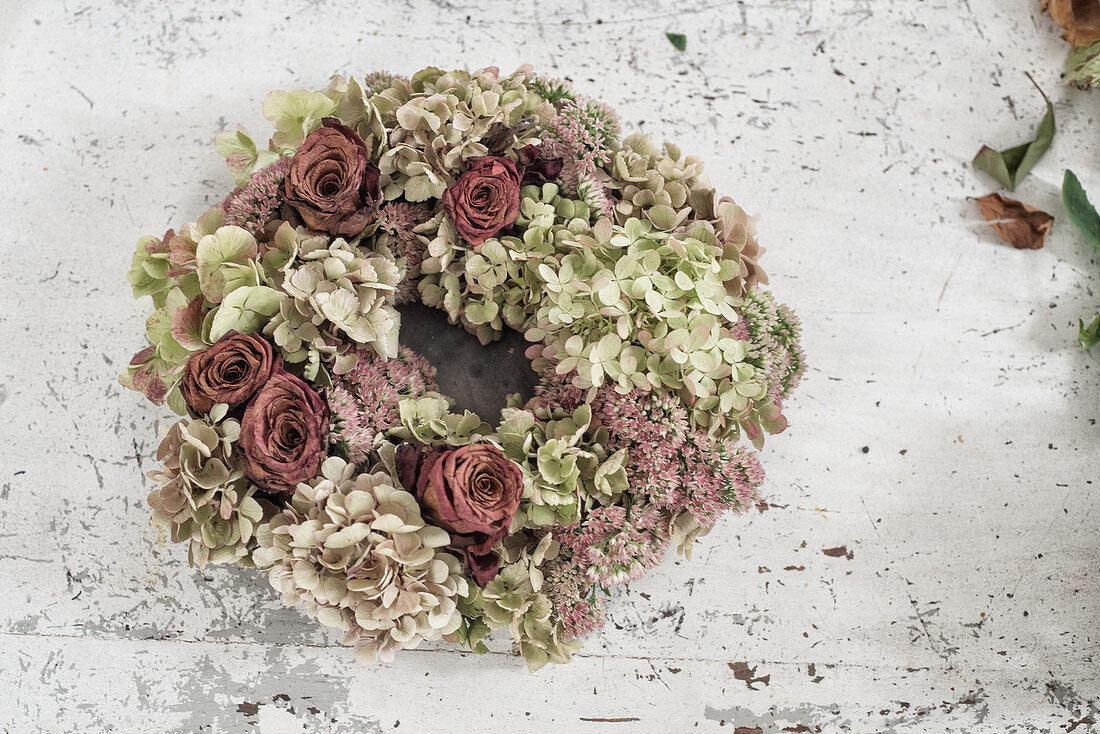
(252, 206)
(364, 402)
(670, 465)
(572, 596)
(671, 468)
(616, 544)
(581, 135)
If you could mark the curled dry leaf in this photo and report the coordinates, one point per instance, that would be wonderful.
(1018, 224)
(1010, 165)
(1080, 18)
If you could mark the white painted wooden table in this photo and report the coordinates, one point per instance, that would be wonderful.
(945, 436)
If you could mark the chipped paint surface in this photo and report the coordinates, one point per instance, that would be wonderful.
(927, 555)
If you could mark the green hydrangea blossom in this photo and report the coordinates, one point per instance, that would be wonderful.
(565, 465)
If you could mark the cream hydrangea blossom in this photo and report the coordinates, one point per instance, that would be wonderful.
(353, 551)
(338, 292)
(202, 494)
(438, 119)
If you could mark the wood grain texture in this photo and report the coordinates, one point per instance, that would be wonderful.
(927, 559)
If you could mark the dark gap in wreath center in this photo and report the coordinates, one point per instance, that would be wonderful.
(478, 378)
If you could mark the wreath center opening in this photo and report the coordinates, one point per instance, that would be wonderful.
(478, 377)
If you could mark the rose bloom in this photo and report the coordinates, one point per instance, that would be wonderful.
(484, 199)
(536, 168)
(332, 182)
(471, 491)
(230, 371)
(284, 434)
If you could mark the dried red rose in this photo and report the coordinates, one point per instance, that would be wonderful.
(332, 182)
(484, 199)
(231, 371)
(284, 434)
(536, 168)
(472, 492)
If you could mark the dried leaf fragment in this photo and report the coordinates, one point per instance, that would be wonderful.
(1022, 226)
(1080, 18)
(1010, 165)
(1083, 66)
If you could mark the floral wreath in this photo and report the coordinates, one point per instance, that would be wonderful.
(318, 449)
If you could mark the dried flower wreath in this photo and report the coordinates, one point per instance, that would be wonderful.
(319, 449)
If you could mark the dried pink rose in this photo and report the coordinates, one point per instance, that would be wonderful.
(284, 434)
(485, 198)
(332, 182)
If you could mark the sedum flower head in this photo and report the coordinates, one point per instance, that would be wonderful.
(774, 333)
(365, 400)
(354, 551)
(584, 134)
(615, 545)
(574, 598)
(203, 495)
(379, 81)
(553, 90)
(253, 205)
(669, 464)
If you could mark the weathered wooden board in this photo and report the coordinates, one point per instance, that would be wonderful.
(928, 559)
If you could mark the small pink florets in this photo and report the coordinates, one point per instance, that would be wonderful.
(252, 206)
(671, 467)
(364, 401)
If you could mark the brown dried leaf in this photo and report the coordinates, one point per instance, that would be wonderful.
(1018, 224)
(1080, 18)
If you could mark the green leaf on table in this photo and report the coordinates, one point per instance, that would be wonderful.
(1090, 334)
(1009, 166)
(1083, 66)
(1079, 209)
(1083, 215)
(679, 40)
